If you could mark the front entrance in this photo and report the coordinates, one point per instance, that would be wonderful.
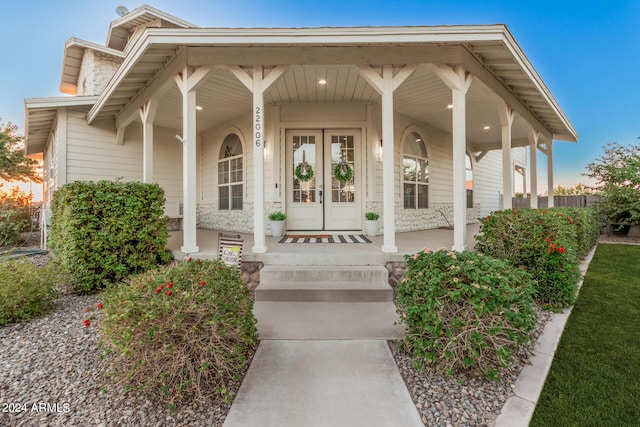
(316, 199)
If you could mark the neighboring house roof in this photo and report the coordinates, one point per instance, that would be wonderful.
(487, 51)
(40, 116)
(121, 29)
(73, 52)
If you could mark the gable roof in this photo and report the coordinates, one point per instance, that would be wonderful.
(73, 52)
(488, 50)
(121, 28)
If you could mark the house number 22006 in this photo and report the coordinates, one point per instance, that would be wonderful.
(258, 126)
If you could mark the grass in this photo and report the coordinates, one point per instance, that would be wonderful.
(595, 376)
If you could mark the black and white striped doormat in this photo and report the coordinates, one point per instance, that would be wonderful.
(340, 238)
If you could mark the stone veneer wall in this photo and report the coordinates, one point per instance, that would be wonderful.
(96, 70)
(209, 217)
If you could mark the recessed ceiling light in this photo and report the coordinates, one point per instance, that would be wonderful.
(450, 106)
(322, 82)
(487, 127)
(418, 139)
(199, 107)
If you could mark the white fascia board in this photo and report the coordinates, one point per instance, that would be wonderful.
(58, 101)
(75, 42)
(320, 36)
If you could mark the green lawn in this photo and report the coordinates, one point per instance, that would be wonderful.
(595, 375)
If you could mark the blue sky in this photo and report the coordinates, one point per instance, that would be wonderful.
(588, 53)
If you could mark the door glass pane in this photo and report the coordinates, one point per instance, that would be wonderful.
(304, 149)
(343, 150)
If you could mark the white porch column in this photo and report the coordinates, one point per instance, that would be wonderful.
(259, 244)
(388, 161)
(187, 84)
(258, 83)
(458, 81)
(506, 120)
(147, 115)
(550, 173)
(534, 136)
(385, 85)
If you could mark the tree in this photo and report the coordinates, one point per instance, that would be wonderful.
(14, 164)
(575, 190)
(617, 173)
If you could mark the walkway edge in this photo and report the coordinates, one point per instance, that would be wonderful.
(518, 409)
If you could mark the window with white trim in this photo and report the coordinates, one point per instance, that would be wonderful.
(415, 171)
(230, 168)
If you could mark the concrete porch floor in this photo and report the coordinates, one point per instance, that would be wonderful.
(325, 253)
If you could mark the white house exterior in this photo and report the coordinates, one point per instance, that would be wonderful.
(221, 117)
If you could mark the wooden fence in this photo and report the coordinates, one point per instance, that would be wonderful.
(568, 201)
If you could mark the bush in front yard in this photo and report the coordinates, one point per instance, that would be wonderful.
(14, 215)
(26, 290)
(182, 332)
(542, 242)
(465, 312)
(102, 232)
(587, 223)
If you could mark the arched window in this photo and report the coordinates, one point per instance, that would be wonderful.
(415, 169)
(469, 167)
(230, 194)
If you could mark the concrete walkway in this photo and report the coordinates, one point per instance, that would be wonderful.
(323, 384)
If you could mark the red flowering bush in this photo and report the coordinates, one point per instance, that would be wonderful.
(182, 332)
(542, 242)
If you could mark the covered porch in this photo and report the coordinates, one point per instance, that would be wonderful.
(325, 253)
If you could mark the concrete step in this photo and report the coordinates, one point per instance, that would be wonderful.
(327, 320)
(324, 284)
(323, 273)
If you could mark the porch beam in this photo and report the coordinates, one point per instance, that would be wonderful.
(120, 135)
(480, 155)
(459, 81)
(506, 115)
(323, 55)
(188, 81)
(533, 136)
(160, 84)
(550, 191)
(147, 115)
(475, 67)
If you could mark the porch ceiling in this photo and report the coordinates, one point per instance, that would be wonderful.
(488, 52)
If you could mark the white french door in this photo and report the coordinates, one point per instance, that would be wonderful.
(316, 198)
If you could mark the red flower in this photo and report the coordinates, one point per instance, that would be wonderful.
(87, 323)
(199, 261)
(159, 289)
(220, 267)
(202, 283)
(486, 220)
(99, 306)
(143, 287)
(169, 293)
(190, 259)
(561, 249)
(169, 285)
(553, 245)
(547, 240)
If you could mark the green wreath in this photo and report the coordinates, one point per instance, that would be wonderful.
(340, 176)
(304, 177)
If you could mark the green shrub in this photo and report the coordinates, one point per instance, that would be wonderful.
(588, 225)
(277, 216)
(371, 216)
(182, 332)
(102, 232)
(542, 242)
(26, 290)
(465, 312)
(14, 215)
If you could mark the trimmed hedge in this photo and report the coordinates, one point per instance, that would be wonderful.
(547, 243)
(104, 231)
